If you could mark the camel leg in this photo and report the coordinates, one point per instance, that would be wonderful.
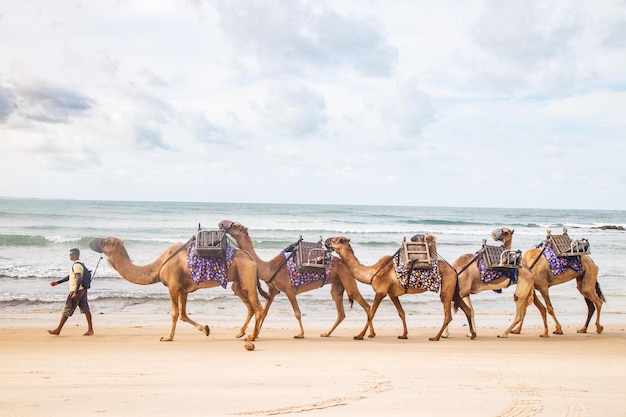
(297, 314)
(466, 305)
(591, 308)
(242, 294)
(594, 302)
(447, 318)
(356, 296)
(521, 304)
(370, 316)
(336, 292)
(468, 309)
(273, 292)
(174, 298)
(184, 317)
(546, 297)
(396, 302)
(470, 316)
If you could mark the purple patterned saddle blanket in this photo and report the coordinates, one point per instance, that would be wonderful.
(488, 275)
(299, 278)
(560, 265)
(424, 279)
(205, 269)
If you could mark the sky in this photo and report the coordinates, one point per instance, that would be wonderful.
(475, 103)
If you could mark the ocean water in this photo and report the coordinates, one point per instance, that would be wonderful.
(36, 235)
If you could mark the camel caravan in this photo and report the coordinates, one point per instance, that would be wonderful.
(226, 255)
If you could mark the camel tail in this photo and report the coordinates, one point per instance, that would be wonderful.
(263, 293)
(599, 292)
(456, 297)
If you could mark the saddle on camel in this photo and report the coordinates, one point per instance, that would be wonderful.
(559, 259)
(494, 268)
(205, 261)
(413, 269)
(302, 266)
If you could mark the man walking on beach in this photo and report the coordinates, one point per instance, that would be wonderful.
(77, 296)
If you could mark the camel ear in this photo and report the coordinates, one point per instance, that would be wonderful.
(345, 240)
(245, 229)
(512, 231)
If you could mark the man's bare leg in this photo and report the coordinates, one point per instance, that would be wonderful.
(57, 331)
(89, 331)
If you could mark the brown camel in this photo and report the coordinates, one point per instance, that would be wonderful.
(276, 275)
(171, 269)
(586, 282)
(470, 282)
(384, 281)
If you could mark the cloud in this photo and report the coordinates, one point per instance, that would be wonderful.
(46, 102)
(8, 102)
(294, 35)
(293, 110)
(531, 44)
(409, 109)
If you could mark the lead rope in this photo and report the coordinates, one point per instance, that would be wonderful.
(540, 253)
(474, 259)
(175, 253)
(385, 264)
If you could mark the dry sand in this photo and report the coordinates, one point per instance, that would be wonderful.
(123, 370)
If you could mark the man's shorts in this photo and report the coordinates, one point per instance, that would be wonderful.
(80, 301)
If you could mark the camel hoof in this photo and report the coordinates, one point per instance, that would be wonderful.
(371, 335)
(559, 331)
(544, 335)
(166, 339)
(583, 330)
(433, 339)
(600, 329)
(516, 331)
(503, 336)
(472, 336)
(249, 338)
(325, 335)
(299, 336)
(403, 337)
(358, 337)
(206, 330)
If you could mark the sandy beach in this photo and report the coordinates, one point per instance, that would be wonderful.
(123, 370)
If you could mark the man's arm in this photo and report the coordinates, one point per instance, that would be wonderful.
(55, 283)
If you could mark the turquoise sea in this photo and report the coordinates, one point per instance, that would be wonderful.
(36, 235)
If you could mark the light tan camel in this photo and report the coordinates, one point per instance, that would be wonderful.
(171, 269)
(586, 282)
(275, 274)
(384, 281)
(470, 282)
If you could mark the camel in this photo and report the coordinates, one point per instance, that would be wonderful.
(171, 269)
(586, 283)
(384, 281)
(470, 282)
(275, 274)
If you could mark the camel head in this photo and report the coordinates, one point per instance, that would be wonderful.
(503, 235)
(232, 228)
(335, 243)
(430, 240)
(106, 244)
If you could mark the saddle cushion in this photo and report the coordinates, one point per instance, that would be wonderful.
(204, 269)
(488, 275)
(560, 265)
(425, 279)
(299, 277)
